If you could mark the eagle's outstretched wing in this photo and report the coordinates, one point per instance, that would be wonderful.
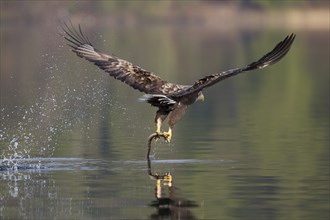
(270, 58)
(120, 69)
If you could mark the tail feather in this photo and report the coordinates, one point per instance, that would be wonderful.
(157, 100)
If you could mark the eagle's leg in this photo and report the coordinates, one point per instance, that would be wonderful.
(160, 117)
(176, 115)
(158, 125)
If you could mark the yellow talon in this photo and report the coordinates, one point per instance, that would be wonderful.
(168, 136)
(158, 135)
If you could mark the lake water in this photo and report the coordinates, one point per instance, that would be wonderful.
(74, 141)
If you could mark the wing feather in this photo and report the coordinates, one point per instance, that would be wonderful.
(279, 51)
(120, 69)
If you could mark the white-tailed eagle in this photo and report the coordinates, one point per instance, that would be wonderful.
(170, 98)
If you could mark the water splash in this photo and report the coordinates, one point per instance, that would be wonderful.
(64, 104)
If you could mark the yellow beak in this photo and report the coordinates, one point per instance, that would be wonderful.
(200, 98)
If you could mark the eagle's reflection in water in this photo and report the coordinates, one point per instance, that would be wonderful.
(168, 205)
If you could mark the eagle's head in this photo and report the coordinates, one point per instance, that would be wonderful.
(200, 97)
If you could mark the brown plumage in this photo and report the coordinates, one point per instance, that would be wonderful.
(168, 97)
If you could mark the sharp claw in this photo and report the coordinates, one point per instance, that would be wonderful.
(158, 135)
(168, 136)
